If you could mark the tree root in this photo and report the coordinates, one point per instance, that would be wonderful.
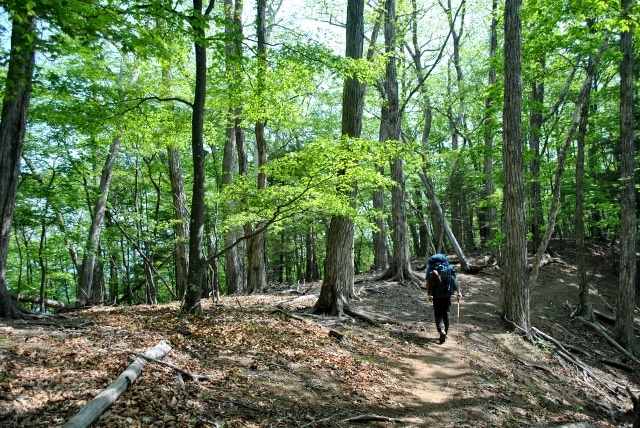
(403, 276)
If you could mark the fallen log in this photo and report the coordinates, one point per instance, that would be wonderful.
(47, 302)
(92, 410)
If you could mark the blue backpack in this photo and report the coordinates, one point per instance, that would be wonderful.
(442, 276)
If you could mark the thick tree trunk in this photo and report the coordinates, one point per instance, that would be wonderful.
(626, 289)
(514, 299)
(338, 268)
(337, 284)
(391, 130)
(13, 123)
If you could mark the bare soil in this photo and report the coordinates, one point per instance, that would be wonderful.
(268, 369)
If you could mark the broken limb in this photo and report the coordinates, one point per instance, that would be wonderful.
(370, 418)
(92, 410)
(176, 368)
(566, 355)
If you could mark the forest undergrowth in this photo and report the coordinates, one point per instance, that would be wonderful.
(263, 364)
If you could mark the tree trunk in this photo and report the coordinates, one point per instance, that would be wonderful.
(13, 123)
(256, 244)
(234, 256)
(380, 247)
(487, 213)
(562, 155)
(86, 293)
(311, 270)
(61, 223)
(626, 289)
(181, 226)
(514, 299)
(338, 268)
(535, 128)
(586, 306)
(337, 284)
(390, 130)
(196, 271)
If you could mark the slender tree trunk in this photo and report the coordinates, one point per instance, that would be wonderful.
(61, 223)
(311, 271)
(562, 156)
(535, 128)
(626, 290)
(586, 306)
(514, 302)
(197, 267)
(181, 226)
(487, 214)
(380, 247)
(86, 293)
(256, 244)
(234, 257)
(41, 260)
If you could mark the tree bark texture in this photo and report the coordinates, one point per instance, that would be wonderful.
(311, 270)
(13, 125)
(535, 128)
(586, 306)
(196, 267)
(337, 284)
(181, 227)
(628, 235)
(380, 247)
(256, 244)
(338, 268)
(487, 214)
(515, 291)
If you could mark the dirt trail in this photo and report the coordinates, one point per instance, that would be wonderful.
(270, 370)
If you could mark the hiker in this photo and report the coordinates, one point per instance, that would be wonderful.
(441, 282)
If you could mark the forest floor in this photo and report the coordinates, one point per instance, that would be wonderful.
(267, 369)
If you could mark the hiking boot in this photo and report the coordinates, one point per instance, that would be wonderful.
(443, 337)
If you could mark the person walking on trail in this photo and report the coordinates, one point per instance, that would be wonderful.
(441, 282)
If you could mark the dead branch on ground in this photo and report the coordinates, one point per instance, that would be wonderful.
(92, 410)
(566, 355)
(176, 368)
(598, 328)
(370, 418)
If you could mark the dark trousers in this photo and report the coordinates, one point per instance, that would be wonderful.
(441, 310)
